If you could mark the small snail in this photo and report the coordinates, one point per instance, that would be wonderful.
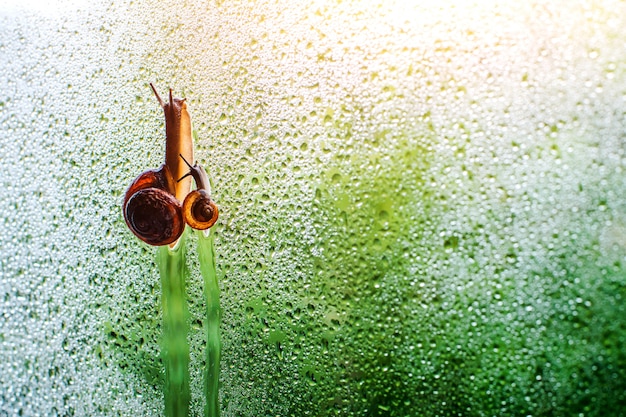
(152, 208)
(199, 211)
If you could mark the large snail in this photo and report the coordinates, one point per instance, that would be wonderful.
(152, 204)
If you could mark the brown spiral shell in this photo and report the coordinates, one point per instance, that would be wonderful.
(199, 211)
(150, 209)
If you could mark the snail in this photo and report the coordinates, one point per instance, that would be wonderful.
(199, 211)
(152, 204)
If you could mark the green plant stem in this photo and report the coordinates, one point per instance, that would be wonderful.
(206, 255)
(175, 348)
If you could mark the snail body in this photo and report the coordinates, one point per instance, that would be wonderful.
(178, 141)
(152, 204)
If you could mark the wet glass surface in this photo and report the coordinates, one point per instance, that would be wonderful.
(422, 207)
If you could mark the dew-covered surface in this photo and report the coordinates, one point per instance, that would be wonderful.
(423, 209)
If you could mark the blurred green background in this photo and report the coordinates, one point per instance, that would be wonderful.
(422, 205)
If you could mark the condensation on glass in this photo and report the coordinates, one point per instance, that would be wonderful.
(423, 207)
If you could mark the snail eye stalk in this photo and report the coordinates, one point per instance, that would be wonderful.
(188, 164)
(191, 168)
